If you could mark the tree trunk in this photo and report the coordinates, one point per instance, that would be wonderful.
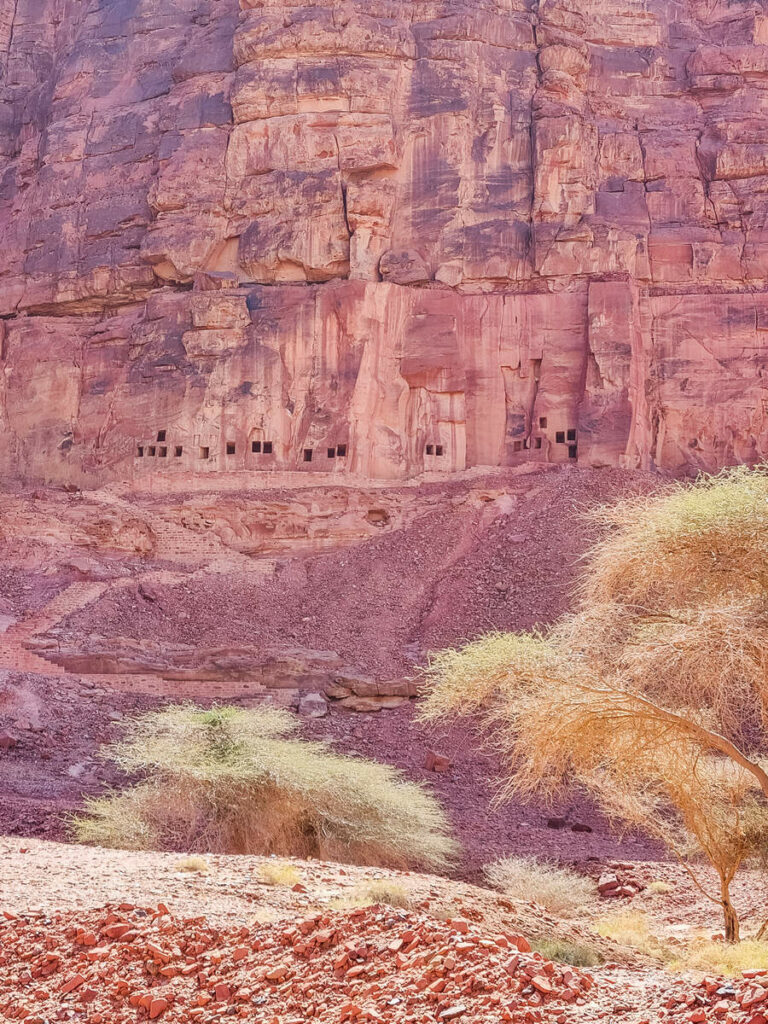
(729, 913)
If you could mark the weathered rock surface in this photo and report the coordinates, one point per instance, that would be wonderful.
(380, 238)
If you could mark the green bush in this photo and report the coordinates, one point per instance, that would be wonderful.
(230, 780)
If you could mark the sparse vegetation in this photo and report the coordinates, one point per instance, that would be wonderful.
(557, 889)
(659, 888)
(632, 928)
(380, 890)
(279, 872)
(653, 694)
(565, 951)
(389, 891)
(722, 958)
(198, 865)
(231, 780)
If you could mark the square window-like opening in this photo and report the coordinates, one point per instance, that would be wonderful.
(178, 451)
(307, 454)
(161, 435)
(560, 437)
(163, 452)
(140, 451)
(573, 451)
(430, 449)
(543, 422)
(341, 451)
(438, 449)
(231, 447)
(572, 434)
(256, 447)
(538, 442)
(205, 451)
(331, 453)
(151, 450)
(267, 448)
(517, 446)
(527, 443)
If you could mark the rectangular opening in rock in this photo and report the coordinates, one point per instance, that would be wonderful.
(543, 422)
(430, 449)
(163, 452)
(341, 451)
(267, 449)
(178, 451)
(517, 446)
(307, 454)
(151, 450)
(161, 435)
(256, 447)
(231, 447)
(538, 442)
(140, 451)
(438, 449)
(205, 451)
(331, 453)
(572, 434)
(572, 451)
(560, 437)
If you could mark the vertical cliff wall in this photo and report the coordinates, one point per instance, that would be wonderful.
(381, 237)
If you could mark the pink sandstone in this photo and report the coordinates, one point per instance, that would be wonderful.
(381, 238)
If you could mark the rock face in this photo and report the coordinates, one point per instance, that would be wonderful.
(381, 237)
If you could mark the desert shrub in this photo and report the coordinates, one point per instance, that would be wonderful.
(659, 888)
(632, 928)
(231, 780)
(557, 889)
(365, 894)
(722, 958)
(193, 864)
(386, 890)
(565, 951)
(279, 872)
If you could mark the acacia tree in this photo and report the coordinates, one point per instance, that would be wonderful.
(653, 694)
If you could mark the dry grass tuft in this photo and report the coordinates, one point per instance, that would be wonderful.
(387, 891)
(230, 780)
(557, 889)
(631, 928)
(565, 951)
(722, 958)
(659, 888)
(279, 872)
(193, 864)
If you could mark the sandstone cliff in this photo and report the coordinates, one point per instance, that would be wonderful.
(381, 237)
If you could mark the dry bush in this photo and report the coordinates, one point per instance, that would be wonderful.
(631, 928)
(659, 888)
(279, 872)
(719, 525)
(557, 889)
(230, 780)
(197, 865)
(388, 891)
(565, 951)
(722, 958)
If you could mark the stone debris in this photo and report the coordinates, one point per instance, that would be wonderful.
(375, 964)
(437, 762)
(619, 883)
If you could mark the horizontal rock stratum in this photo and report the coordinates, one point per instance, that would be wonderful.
(381, 237)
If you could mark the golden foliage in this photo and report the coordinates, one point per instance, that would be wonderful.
(652, 692)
